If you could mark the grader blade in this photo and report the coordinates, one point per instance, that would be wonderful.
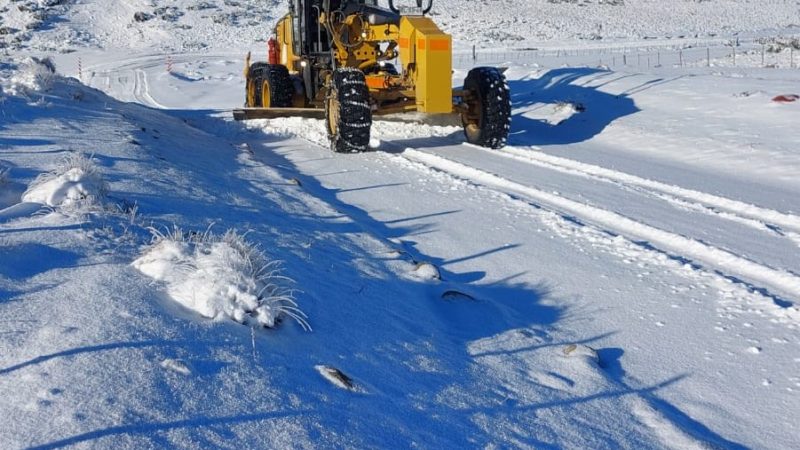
(274, 113)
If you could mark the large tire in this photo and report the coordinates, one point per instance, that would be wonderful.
(269, 86)
(347, 111)
(487, 120)
(254, 80)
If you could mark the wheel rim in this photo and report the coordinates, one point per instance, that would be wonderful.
(333, 114)
(251, 94)
(266, 95)
(472, 117)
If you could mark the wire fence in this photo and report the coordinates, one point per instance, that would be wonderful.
(751, 54)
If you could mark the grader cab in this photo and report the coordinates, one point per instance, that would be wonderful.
(336, 60)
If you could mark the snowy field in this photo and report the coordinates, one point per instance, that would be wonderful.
(625, 274)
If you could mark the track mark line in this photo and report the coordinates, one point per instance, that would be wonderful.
(715, 258)
(765, 219)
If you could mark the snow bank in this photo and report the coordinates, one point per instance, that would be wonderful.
(220, 277)
(75, 181)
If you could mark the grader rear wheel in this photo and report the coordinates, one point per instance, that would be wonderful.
(347, 111)
(487, 120)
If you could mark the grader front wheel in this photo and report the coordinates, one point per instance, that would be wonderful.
(487, 119)
(347, 111)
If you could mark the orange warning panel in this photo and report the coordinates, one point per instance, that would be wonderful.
(377, 81)
(434, 45)
(440, 45)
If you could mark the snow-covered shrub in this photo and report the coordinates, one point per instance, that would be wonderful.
(780, 43)
(76, 181)
(33, 75)
(220, 277)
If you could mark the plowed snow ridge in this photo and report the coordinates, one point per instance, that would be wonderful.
(722, 260)
(733, 208)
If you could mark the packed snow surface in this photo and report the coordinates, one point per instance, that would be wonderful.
(624, 274)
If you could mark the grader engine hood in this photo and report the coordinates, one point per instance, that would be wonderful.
(426, 51)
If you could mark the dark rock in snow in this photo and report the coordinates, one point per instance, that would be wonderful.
(142, 16)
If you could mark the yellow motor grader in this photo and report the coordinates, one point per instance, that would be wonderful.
(335, 60)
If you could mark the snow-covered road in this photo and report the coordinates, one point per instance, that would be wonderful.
(651, 298)
(654, 217)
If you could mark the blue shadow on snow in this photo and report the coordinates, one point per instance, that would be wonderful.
(565, 85)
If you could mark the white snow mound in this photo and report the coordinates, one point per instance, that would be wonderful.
(221, 278)
(34, 75)
(75, 181)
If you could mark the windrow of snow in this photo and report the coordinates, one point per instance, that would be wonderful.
(221, 277)
(735, 210)
(717, 259)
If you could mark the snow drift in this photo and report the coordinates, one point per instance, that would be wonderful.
(220, 277)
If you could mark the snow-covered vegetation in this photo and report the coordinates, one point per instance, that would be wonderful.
(196, 26)
(220, 277)
(76, 181)
(33, 76)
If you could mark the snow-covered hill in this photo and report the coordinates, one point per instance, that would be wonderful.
(64, 25)
(623, 275)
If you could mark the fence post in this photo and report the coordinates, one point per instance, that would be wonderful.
(474, 53)
(763, 51)
(708, 56)
(169, 63)
(734, 56)
(791, 57)
(659, 59)
(624, 59)
(680, 56)
(80, 69)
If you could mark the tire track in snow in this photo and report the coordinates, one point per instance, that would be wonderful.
(722, 269)
(136, 67)
(151, 60)
(717, 261)
(764, 219)
(141, 90)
